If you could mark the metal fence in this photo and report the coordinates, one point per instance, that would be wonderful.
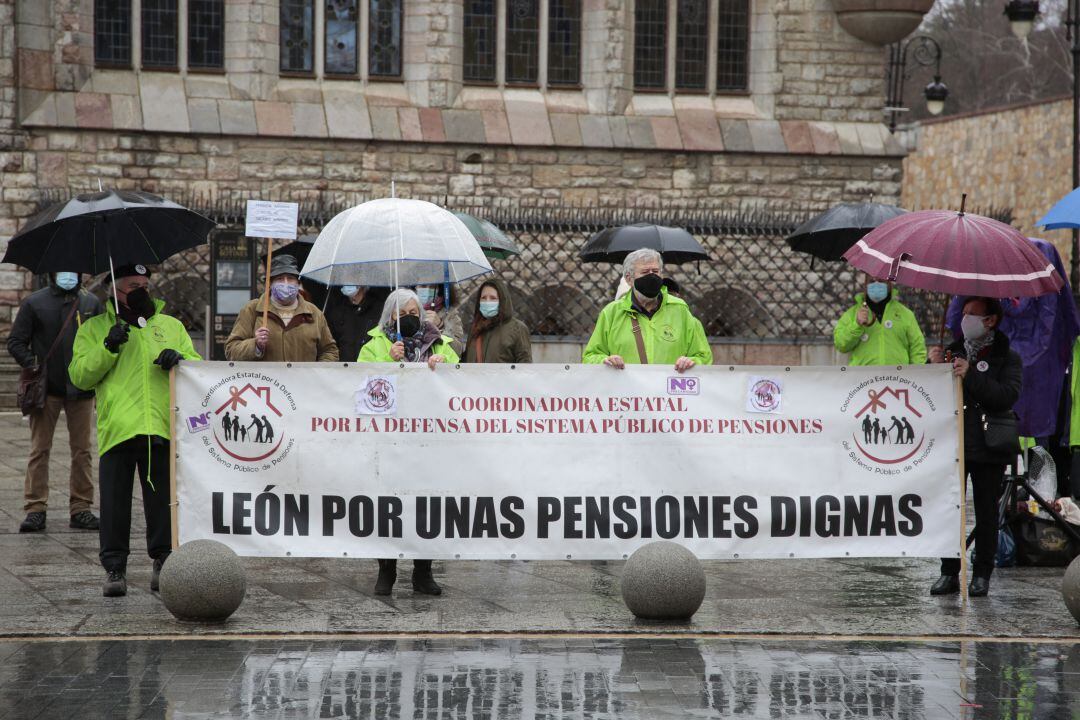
(754, 288)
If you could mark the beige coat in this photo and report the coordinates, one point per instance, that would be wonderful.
(306, 338)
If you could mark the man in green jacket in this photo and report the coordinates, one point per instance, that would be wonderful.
(666, 331)
(126, 362)
(878, 330)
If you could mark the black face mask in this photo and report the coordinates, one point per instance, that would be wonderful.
(139, 302)
(409, 325)
(649, 285)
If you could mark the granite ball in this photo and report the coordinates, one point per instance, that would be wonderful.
(1070, 588)
(663, 581)
(203, 581)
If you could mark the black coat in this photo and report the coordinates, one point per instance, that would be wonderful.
(992, 391)
(350, 324)
(37, 324)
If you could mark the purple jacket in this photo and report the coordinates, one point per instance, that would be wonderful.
(1042, 331)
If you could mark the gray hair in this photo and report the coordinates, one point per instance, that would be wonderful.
(397, 299)
(639, 256)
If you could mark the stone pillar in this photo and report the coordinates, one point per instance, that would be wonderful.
(251, 47)
(433, 38)
(607, 63)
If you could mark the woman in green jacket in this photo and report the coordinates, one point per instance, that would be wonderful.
(496, 336)
(402, 336)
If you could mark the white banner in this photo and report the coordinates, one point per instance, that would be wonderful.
(576, 461)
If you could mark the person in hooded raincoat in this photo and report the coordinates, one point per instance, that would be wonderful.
(496, 336)
(124, 355)
(879, 330)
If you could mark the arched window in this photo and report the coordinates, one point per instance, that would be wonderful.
(680, 44)
(541, 42)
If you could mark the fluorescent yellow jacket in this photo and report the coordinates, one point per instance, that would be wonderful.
(895, 339)
(672, 332)
(132, 392)
(377, 349)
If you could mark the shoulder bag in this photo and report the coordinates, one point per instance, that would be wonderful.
(33, 381)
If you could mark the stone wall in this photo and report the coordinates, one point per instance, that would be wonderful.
(1016, 157)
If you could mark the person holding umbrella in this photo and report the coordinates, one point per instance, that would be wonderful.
(879, 330)
(403, 336)
(992, 375)
(124, 356)
(647, 325)
(290, 330)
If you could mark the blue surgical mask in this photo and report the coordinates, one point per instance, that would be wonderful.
(67, 280)
(349, 290)
(877, 291)
(426, 295)
(489, 308)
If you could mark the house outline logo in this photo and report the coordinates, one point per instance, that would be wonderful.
(256, 401)
(889, 443)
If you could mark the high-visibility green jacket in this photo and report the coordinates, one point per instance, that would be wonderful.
(672, 332)
(895, 339)
(377, 349)
(132, 392)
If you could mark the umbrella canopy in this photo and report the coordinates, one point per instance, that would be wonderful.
(612, 245)
(81, 234)
(832, 233)
(955, 253)
(492, 240)
(393, 242)
(1065, 214)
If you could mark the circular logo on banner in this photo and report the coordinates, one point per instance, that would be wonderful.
(983, 366)
(247, 419)
(765, 396)
(887, 421)
(379, 395)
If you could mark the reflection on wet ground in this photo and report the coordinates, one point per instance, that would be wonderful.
(461, 677)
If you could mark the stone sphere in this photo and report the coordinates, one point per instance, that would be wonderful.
(1070, 588)
(663, 581)
(203, 581)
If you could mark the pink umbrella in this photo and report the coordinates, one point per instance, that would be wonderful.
(955, 253)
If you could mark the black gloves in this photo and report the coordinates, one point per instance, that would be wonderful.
(118, 335)
(168, 359)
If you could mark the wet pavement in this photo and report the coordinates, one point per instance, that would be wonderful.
(458, 677)
(774, 639)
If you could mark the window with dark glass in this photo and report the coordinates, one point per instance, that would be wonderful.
(733, 45)
(206, 33)
(297, 43)
(691, 44)
(384, 41)
(480, 41)
(160, 32)
(564, 42)
(650, 44)
(342, 28)
(522, 41)
(112, 32)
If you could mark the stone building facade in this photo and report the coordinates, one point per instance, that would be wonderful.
(804, 131)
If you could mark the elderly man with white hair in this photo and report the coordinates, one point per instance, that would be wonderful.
(647, 325)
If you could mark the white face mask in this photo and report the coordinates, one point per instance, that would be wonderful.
(973, 328)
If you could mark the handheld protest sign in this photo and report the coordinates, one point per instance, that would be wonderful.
(272, 221)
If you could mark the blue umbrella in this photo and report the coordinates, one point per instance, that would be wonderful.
(1064, 215)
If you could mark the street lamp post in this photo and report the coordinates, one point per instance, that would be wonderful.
(925, 51)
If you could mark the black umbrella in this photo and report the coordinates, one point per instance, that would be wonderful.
(119, 227)
(832, 233)
(299, 248)
(612, 245)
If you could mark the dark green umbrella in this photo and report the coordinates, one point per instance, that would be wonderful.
(491, 239)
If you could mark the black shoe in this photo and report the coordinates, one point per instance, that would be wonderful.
(946, 585)
(155, 578)
(115, 584)
(34, 522)
(387, 577)
(84, 520)
(422, 579)
(979, 586)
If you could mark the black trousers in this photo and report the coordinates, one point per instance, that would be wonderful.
(116, 479)
(985, 493)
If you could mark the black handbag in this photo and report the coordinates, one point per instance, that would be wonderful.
(1001, 433)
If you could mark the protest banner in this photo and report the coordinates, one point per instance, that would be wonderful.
(574, 461)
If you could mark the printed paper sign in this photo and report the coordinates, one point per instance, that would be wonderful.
(377, 395)
(266, 219)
